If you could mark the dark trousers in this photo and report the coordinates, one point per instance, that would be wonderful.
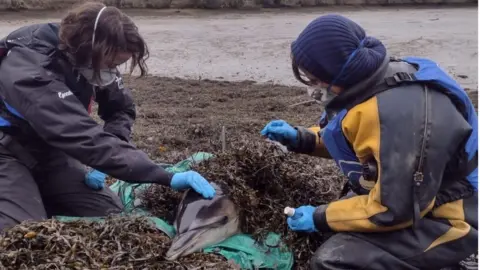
(54, 187)
(442, 239)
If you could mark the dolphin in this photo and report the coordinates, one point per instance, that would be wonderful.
(200, 222)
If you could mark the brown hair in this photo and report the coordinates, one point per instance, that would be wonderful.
(115, 33)
(298, 75)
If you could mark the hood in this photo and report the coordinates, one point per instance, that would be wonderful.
(366, 88)
(42, 38)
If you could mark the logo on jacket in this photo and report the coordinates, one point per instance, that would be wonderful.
(353, 170)
(119, 81)
(366, 184)
(65, 94)
(350, 168)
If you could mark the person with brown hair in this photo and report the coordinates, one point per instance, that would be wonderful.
(49, 75)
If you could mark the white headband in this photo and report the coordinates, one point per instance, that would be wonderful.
(96, 23)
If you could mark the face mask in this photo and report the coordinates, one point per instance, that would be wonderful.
(107, 76)
(321, 94)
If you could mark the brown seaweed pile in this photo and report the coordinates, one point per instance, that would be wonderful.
(116, 243)
(262, 181)
(161, 201)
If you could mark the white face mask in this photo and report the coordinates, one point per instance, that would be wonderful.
(107, 76)
(321, 94)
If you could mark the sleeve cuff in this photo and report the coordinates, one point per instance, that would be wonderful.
(306, 141)
(320, 219)
(164, 177)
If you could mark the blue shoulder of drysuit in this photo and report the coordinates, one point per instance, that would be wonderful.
(431, 72)
(4, 122)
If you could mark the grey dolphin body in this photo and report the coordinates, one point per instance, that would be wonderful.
(200, 223)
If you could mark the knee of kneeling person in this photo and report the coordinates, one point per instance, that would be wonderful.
(324, 258)
(114, 209)
(114, 206)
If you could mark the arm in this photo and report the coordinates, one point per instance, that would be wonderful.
(389, 204)
(310, 142)
(116, 108)
(299, 139)
(64, 123)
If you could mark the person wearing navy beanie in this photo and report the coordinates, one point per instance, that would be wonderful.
(405, 134)
(335, 49)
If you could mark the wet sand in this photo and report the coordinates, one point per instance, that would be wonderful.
(240, 45)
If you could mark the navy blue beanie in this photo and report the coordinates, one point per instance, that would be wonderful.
(326, 45)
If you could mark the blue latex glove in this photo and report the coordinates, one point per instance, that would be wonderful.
(302, 220)
(193, 180)
(280, 131)
(95, 179)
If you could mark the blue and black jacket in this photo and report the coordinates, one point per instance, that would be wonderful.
(45, 105)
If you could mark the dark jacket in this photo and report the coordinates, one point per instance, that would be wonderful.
(389, 129)
(45, 104)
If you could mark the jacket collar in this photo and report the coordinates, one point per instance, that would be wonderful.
(41, 38)
(358, 91)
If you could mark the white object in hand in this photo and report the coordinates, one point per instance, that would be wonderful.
(289, 211)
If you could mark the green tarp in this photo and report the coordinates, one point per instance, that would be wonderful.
(241, 248)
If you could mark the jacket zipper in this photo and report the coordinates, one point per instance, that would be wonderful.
(418, 176)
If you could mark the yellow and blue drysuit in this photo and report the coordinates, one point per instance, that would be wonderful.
(406, 138)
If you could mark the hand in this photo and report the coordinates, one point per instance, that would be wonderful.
(302, 220)
(280, 131)
(95, 179)
(193, 180)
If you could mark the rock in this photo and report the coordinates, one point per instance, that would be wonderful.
(328, 2)
(308, 3)
(249, 4)
(290, 3)
(184, 3)
(138, 3)
(211, 4)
